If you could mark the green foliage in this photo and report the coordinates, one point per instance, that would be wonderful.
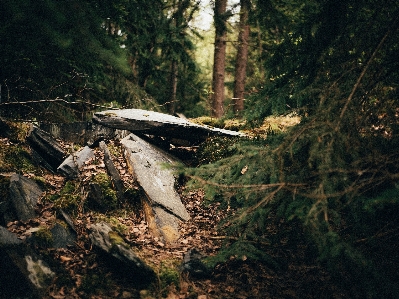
(16, 158)
(110, 200)
(216, 148)
(44, 237)
(69, 198)
(243, 250)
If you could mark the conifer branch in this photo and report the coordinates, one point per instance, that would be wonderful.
(359, 79)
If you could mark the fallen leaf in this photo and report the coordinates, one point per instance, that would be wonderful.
(64, 258)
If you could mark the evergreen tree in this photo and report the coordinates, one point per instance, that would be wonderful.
(334, 177)
(54, 49)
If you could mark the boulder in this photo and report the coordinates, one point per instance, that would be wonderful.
(8, 239)
(62, 236)
(71, 165)
(45, 149)
(23, 274)
(83, 133)
(120, 254)
(23, 196)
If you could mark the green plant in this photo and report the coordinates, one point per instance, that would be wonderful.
(44, 237)
(69, 198)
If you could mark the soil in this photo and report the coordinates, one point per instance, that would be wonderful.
(84, 273)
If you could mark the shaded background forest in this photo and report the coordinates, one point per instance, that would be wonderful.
(334, 177)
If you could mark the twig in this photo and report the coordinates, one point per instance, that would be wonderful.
(56, 100)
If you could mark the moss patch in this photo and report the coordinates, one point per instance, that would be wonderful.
(68, 198)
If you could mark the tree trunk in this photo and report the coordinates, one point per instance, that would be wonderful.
(219, 58)
(173, 87)
(241, 59)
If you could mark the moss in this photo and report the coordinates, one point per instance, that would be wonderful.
(68, 198)
(110, 200)
(116, 239)
(44, 237)
(216, 148)
(168, 275)
(15, 158)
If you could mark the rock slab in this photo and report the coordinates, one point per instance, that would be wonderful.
(159, 124)
(152, 169)
(24, 194)
(122, 256)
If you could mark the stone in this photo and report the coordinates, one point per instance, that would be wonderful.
(45, 149)
(71, 165)
(154, 123)
(83, 133)
(152, 169)
(24, 194)
(121, 255)
(193, 265)
(23, 273)
(62, 236)
(7, 238)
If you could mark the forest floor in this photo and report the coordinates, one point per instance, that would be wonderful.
(84, 274)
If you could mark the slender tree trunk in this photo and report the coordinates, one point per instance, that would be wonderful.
(173, 86)
(241, 59)
(219, 58)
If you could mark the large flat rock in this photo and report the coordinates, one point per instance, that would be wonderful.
(162, 205)
(150, 168)
(159, 124)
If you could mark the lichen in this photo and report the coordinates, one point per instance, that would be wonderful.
(39, 273)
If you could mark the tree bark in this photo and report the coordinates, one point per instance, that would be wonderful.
(241, 59)
(219, 58)
(173, 87)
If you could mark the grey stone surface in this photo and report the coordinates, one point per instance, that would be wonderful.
(45, 149)
(7, 238)
(62, 236)
(23, 273)
(82, 133)
(71, 165)
(24, 194)
(160, 124)
(152, 169)
(109, 242)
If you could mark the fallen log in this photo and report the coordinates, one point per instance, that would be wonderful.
(45, 148)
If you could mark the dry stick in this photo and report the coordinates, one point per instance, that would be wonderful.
(56, 100)
(254, 186)
(356, 86)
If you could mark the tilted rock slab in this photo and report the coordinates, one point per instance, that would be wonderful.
(122, 255)
(149, 166)
(71, 165)
(159, 124)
